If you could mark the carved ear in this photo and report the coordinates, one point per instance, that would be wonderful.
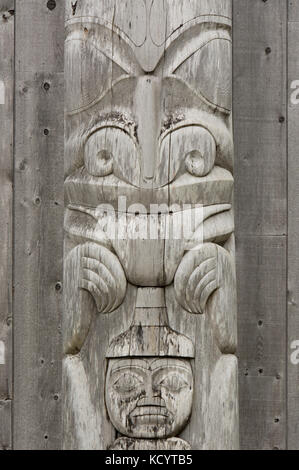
(189, 42)
(113, 43)
(96, 59)
(201, 59)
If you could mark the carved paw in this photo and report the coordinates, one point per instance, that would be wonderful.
(205, 282)
(103, 276)
(196, 278)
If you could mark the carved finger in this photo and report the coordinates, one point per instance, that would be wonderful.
(90, 263)
(199, 273)
(113, 265)
(115, 278)
(102, 277)
(94, 291)
(110, 281)
(98, 254)
(106, 272)
(196, 278)
(205, 294)
(101, 285)
(201, 286)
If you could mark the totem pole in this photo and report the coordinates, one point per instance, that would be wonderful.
(149, 284)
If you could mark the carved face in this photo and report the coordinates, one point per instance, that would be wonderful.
(149, 398)
(159, 109)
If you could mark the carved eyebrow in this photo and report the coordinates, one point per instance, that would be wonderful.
(165, 365)
(115, 120)
(171, 121)
(179, 123)
(129, 368)
(142, 364)
(113, 116)
(174, 368)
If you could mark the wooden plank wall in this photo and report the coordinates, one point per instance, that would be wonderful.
(293, 226)
(38, 223)
(269, 392)
(6, 230)
(266, 120)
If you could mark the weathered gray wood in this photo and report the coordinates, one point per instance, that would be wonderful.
(293, 11)
(293, 228)
(6, 197)
(261, 202)
(261, 268)
(38, 224)
(5, 427)
(145, 120)
(260, 102)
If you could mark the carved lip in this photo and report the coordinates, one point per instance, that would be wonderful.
(150, 414)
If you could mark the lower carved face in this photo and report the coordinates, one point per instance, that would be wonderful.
(149, 398)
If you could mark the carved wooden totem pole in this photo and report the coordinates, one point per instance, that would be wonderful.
(150, 289)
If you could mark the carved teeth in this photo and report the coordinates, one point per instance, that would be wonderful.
(149, 411)
(150, 415)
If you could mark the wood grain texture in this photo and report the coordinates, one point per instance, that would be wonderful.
(5, 428)
(261, 202)
(259, 103)
(268, 389)
(293, 11)
(38, 210)
(293, 226)
(260, 30)
(261, 265)
(145, 121)
(6, 202)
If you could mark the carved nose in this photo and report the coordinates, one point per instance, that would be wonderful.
(148, 112)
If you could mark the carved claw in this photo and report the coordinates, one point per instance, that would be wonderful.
(196, 278)
(102, 276)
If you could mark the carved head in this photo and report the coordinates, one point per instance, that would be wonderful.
(149, 397)
(138, 102)
(149, 381)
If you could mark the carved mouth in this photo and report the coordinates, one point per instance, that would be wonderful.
(150, 415)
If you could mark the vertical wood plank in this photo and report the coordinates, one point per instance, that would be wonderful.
(5, 427)
(260, 124)
(261, 267)
(293, 227)
(261, 222)
(293, 10)
(6, 198)
(38, 224)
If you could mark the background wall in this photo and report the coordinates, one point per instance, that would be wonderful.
(266, 66)
(266, 63)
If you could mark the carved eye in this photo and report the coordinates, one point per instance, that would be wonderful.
(174, 383)
(127, 382)
(111, 149)
(194, 144)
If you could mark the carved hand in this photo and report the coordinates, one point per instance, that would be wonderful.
(200, 274)
(102, 276)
